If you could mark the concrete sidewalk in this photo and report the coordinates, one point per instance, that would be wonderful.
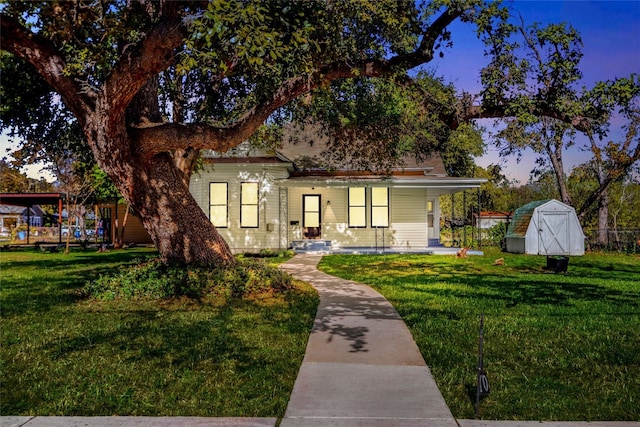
(362, 366)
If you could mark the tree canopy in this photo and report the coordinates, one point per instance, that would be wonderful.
(149, 84)
(542, 67)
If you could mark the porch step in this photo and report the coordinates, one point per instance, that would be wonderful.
(311, 245)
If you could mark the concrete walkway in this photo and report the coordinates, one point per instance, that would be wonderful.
(362, 366)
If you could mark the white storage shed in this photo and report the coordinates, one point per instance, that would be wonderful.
(545, 227)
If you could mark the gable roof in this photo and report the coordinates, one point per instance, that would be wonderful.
(306, 151)
(308, 160)
(309, 149)
(13, 210)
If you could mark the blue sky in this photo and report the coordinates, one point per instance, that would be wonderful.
(610, 32)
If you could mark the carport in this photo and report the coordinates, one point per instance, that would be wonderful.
(28, 200)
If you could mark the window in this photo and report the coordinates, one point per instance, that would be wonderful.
(311, 210)
(357, 207)
(218, 204)
(249, 205)
(379, 207)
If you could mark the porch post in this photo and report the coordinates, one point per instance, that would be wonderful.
(453, 210)
(283, 226)
(479, 222)
(28, 223)
(464, 219)
(60, 220)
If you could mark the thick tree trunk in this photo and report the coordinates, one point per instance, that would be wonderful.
(158, 192)
(554, 152)
(603, 206)
(179, 228)
(603, 218)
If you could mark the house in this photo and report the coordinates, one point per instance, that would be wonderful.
(266, 199)
(11, 216)
(110, 218)
(488, 219)
(24, 208)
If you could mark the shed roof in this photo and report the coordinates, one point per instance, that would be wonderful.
(521, 218)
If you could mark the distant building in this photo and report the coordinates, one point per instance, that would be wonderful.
(12, 216)
(488, 219)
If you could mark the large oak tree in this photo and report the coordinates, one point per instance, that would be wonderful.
(152, 83)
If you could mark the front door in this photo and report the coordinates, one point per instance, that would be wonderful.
(311, 222)
(431, 230)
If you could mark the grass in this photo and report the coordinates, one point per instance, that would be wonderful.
(63, 354)
(557, 346)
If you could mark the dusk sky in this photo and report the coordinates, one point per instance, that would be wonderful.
(610, 32)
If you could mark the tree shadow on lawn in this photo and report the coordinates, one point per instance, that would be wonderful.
(520, 286)
(141, 350)
(50, 287)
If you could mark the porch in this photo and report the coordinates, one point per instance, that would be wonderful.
(327, 247)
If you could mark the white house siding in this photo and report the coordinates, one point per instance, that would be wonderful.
(409, 217)
(407, 210)
(333, 213)
(266, 236)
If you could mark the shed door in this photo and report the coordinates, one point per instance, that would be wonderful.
(553, 233)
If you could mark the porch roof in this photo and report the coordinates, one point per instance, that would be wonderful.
(445, 184)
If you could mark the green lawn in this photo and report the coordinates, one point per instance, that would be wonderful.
(557, 346)
(65, 355)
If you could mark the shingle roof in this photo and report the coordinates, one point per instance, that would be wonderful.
(310, 152)
(308, 147)
(521, 217)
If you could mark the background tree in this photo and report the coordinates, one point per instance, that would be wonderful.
(373, 123)
(12, 180)
(548, 74)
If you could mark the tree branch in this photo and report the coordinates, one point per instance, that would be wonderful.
(199, 136)
(581, 123)
(136, 65)
(48, 62)
(620, 167)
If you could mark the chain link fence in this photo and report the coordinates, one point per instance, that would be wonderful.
(613, 240)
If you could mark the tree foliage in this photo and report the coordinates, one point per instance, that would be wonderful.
(149, 84)
(12, 180)
(152, 83)
(542, 68)
(374, 123)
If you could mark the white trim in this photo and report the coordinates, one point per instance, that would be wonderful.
(457, 184)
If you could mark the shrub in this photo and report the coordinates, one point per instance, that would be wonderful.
(497, 235)
(156, 280)
(268, 253)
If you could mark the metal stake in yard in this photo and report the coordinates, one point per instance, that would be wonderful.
(482, 388)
